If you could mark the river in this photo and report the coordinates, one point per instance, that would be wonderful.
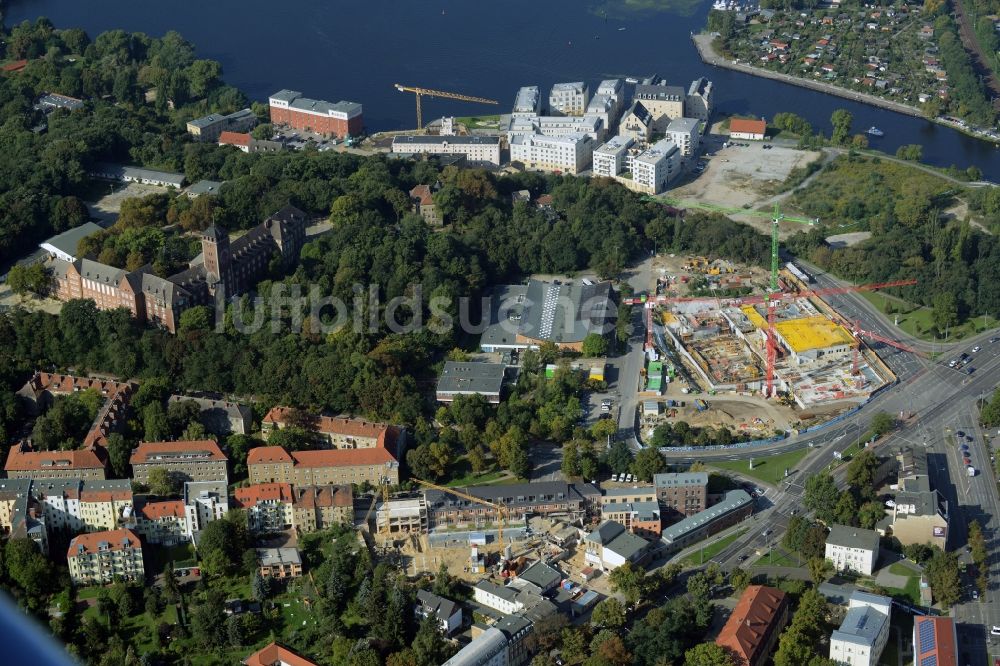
(334, 49)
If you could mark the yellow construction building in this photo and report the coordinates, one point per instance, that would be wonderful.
(806, 338)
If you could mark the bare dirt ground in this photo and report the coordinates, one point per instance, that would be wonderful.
(107, 207)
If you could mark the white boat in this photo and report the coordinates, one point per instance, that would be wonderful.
(874, 131)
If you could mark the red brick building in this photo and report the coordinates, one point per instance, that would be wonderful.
(340, 119)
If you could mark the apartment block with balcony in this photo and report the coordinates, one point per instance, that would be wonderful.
(200, 460)
(568, 99)
(99, 557)
(319, 507)
(162, 522)
(268, 506)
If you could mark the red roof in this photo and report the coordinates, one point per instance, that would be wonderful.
(757, 616)
(114, 540)
(164, 509)
(747, 126)
(105, 495)
(267, 454)
(323, 496)
(939, 641)
(22, 459)
(234, 139)
(275, 655)
(262, 492)
(15, 66)
(423, 193)
(342, 457)
(147, 452)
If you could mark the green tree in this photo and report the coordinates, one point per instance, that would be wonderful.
(595, 345)
(708, 654)
(944, 310)
(882, 423)
(609, 613)
(819, 569)
(155, 423)
(869, 514)
(118, 455)
(861, 470)
(942, 574)
(977, 544)
(603, 429)
(619, 459)
(221, 545)
(27, 567)
(32, 278)
(630, 581)
(648, 462)
(912, 152)
(739, 579)
(821, 495)
(841, 120)
(161, 483)
(570, 460)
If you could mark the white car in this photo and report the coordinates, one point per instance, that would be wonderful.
(995, 630)
(976, 349)
(614, 477)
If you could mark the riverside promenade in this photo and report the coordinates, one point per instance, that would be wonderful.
(703, 42)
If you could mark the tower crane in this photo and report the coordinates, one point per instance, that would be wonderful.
(503, 513)
(420, 92)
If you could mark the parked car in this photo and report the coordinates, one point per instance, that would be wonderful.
(995, 630)
(976, 349)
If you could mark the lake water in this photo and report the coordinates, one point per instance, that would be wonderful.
(333, 49)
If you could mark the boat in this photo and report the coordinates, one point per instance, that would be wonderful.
(621, 29)
(874, 131)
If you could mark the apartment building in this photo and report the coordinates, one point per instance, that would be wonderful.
(610, 546)
(522, 126)
(608, 102)
(279, 562)
(609, 158)
(273, 654)
(204, 501)
(852, 549)
(84, 505)
(39, 392)
(503, 644)
(568, 99)
(272, 464)
(402, 516)
(208, 128)
(699, 101)
(864, 632)
(752, 630)
(98, 557)
(447, 613)
(162, 522)
(220, 417)
(199, 460)
(528, 102)
(686, 134)
(919, 513)
(682, 494)
(734, 507)
(935, 641)
(338, 119)
(640, 518)
(569, 154)
(25, 463)
(319, 507)
(654, 168)
(636, 124)
(21, 515)
(545, 498)
(268, 506)
(338, 432)
(663, 102)
(478, 150)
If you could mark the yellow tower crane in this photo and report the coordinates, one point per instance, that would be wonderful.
(503, 513)
(420, 92)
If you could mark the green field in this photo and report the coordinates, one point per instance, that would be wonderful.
(711, 550)
(779, 557)
(918, 320)
(479, 122)
(770, 469)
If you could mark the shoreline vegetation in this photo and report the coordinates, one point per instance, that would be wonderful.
(705, 44)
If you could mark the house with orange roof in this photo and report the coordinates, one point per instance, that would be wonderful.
(320, 507)
(199, 460)
(276, 655)
(268, 506)
(742, 128)
(238, 139)
(23, 462)
(423, 205)
(162, 522)
(272, 464)
(935, 641)
(99, 557)
(753, 627)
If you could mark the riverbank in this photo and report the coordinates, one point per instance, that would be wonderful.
(703, 43)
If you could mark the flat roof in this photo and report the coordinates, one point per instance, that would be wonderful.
(659, 150)
(615, 144)
(68, 241)
(205, 187)
(861, 626)
(471, 377)
(277, 556)
(674, 479)
(683, 125)
(809, 333)
(411, 139)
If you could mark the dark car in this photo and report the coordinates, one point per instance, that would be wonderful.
(970, 370)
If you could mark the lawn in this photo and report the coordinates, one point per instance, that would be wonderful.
(781, 558)
(918, 320)
(479, 122)
(901, 569)
(910, 592)
(711, 550)
(770, 469)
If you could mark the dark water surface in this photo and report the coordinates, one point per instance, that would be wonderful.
(357, 50)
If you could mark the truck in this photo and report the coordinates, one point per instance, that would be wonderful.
(700, 405)
(970, 470)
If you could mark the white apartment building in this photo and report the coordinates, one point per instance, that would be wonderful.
(654, 168)
(568, 99)
(268, 506)
(592, 126)
(698, 103)
(863, 634)
(566, 154)
(528, 102)
(685, 133)
(852, 549)
(499, 598)
(162, 522)
(100, 556)
(75, 505)
(204, 501)
(478, 149)
(609, 158)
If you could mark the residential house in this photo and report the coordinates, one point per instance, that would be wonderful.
(273, 654)
(208, 128)
(864, 631)
(423, 205)
(852, 549)
(610, 545)
(199, 460)
(99, 557)
(279, 563)
(636, 124)
(935, 641)
(752, 630)
(445, 611)
(682, 493)
(162, 522)
(268, 506)
(25, 463)
(204, 502)
(502, 644)
(321, 507)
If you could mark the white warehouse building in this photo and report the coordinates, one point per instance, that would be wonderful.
(478, 149)
(567, 154)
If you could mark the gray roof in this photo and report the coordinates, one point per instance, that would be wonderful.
(923, 503)
(627, 491)
(506, 312)
(698, 86)
(286, 95)
(660, 93)
(497, 590)
(852, 537)
(57, 101)
(458, 377)
(98, 272)
(640, 112)
(542, 575)
(161, 290)
(195, 489)
(870, 599)
(606, 532)
(482, 650)
(277, 556)
(68, 241)
(614, 145)
(861, 626)
(734, 499)
(661, 149)
(231, 409)
(441, 607)
(204, 187)
(456, 140)
(673, 480)
(627, 545)
(211, 119)
(122, 172)
(297, 101)
(686, 125)
(513, 495)
(649, 510)
(565, 311)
